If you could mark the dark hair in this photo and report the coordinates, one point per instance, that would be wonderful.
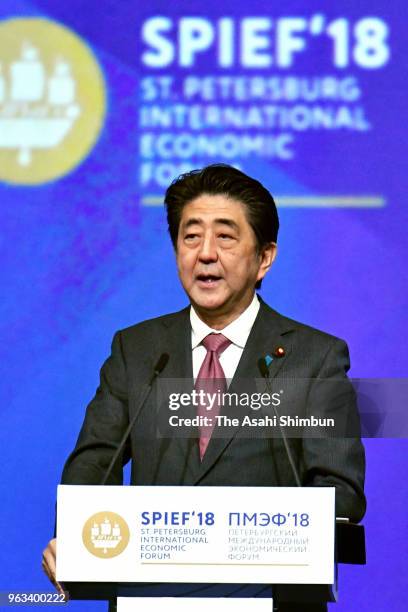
(222, 179)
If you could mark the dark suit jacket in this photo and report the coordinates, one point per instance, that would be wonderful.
(310, 356)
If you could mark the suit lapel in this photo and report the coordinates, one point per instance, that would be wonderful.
(177, 342)
(177, 339)
(269, 332)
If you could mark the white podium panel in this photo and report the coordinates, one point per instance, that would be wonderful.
(257, 535)
(186, 604)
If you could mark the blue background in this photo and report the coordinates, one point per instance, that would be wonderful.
(82, 257)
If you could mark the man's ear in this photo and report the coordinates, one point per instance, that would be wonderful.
(267, 257)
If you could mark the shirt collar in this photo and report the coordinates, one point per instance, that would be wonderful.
(237, 331)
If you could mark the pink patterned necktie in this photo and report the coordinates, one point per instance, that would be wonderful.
(210, 380)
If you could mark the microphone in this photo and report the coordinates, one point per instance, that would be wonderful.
(158, 369)
(263, 368)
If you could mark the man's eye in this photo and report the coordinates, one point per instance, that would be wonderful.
(190, 236)
(226, 237)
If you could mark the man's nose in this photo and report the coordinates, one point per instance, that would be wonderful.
(208, 250)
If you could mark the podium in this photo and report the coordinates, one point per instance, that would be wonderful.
(119, 543)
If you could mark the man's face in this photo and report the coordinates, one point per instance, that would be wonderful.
(217, 260)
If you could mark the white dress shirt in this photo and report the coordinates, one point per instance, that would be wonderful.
(237, 332)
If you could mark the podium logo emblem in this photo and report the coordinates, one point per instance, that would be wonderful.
(52, 100)
(105, 535)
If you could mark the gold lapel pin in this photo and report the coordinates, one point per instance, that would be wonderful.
(279, 352)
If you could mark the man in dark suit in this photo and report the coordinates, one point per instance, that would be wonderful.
(223, 225)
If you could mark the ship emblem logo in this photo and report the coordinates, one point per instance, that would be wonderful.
(105, 535)
(52, 100)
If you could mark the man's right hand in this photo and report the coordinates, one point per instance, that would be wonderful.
(49, 560)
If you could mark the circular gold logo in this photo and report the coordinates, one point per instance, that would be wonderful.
(52, 100)
(105, 535)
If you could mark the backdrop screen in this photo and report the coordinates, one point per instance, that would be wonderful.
(102, 105)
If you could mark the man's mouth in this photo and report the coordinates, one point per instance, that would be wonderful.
(208, 280)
